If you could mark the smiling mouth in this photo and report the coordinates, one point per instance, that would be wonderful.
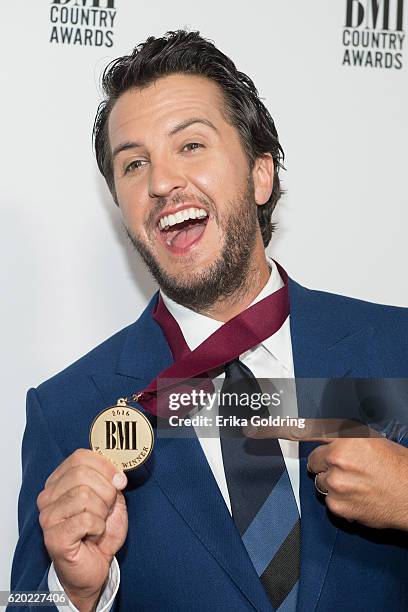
(180, 231)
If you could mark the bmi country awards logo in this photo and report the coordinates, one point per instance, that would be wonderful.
(373, 36)
(82, 22)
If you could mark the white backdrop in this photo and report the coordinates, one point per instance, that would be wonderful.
(70, 280)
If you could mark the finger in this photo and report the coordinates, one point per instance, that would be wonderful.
(320, 440)
(61, 538)
(85, 457)
(345, 428)
(75, 477)
(313, 430)
(317, 460)
(304, 429)
(74, 501)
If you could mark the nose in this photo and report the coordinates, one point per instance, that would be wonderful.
(165, 177)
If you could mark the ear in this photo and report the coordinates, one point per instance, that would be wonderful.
(262, 174)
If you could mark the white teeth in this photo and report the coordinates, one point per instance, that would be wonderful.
(182, 215)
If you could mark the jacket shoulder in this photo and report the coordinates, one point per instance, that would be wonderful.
(347, 305)
(333, 314)
(371, 312)
(102, 357)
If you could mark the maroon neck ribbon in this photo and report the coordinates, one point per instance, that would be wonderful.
(241, 333)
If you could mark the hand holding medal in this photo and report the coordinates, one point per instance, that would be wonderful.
(83, 512)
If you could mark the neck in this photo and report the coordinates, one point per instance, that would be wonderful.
(255, 280)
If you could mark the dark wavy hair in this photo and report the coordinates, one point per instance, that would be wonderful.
(189, 53)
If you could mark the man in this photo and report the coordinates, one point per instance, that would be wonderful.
(192, 158)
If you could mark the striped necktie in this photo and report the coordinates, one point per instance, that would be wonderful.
(263, 505)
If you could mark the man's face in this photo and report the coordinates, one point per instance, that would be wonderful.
(184, 187)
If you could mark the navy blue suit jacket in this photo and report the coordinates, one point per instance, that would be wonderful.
(183, 551)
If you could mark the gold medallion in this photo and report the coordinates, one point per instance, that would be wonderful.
(123, 435)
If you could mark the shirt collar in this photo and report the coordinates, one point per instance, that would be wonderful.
(197, 327)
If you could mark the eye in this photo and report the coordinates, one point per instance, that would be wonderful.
(192, 146)
(134, 165)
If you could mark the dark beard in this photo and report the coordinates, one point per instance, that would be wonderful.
(228, 274)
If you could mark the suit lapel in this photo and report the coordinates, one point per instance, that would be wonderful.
(326, 344)
(145, 352)
(329, 340)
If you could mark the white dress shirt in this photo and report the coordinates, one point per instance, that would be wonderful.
(271, 359)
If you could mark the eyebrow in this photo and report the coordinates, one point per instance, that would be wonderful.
(125, 146)
(185, 124)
